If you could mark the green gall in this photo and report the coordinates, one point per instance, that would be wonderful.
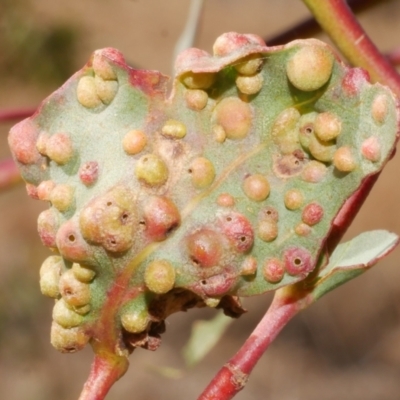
(82, 273)
(105, 90)
(68, 340)
(64, 316)
(86, 92)
(159, 276)
(250, 84)
(174, 129)
(249, 65)
(202, 80)
(109, 220)
(322, 151)
(284, 131)
(310, 67)
(151, 170)
(135, 322)
(74, 292)
(62, 197)
(327, 126)
(50, 273)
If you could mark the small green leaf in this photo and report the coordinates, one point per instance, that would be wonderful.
(205, 335)
(352, 258)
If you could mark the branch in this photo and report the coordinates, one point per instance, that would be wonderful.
(232, 377)
(105, 371)
(309, 26)
(9, 174)
(337, 20)
(16, 114)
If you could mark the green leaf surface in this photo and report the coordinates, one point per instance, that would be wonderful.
(354, 257)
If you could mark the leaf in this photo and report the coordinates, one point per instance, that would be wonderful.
(205, 335)
(352, 258)
(227, 187)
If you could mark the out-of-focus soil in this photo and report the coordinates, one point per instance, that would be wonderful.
(347, 346)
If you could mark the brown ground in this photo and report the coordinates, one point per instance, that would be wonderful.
(345, 347)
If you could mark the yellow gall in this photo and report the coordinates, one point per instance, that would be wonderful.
(250, 84)
(65, 316)
(159, 276)
(322, 151)
(249, 65)
(293, 199)
(102, 67)
(74, 292)
(59, 148)
(219, 134)
(273, 270)
(343, 159)
(68, 340)
(134, 142)
(302, 229)
(327, 126)
(267, 230)
(87, 92)
(62, 197)
(106, 90)
(82, 310)
(370, 149)
(152, 170)
(249, 266)
(196, 99)
(284, 130)
(135, 322)
(83, 273)
(174, 129)
(256, 187)
(201, 80)
(380, 108)
(310, 67)
(225, 200)
(314, 172)
(235, 117)
(202, 172)
(50, 273)
(42, 142)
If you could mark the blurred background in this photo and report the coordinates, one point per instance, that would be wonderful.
(347, 346)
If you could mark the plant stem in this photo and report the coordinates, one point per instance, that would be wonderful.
(309, 26)
(9, 174)
(232, 377)
(16, 114)
(106, 369)
(337, 20)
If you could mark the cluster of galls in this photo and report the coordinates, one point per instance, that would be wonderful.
(227, 188)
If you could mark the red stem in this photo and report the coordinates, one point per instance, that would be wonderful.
(232, 377)
(104, 372)
(16, 114)
(9, 174)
